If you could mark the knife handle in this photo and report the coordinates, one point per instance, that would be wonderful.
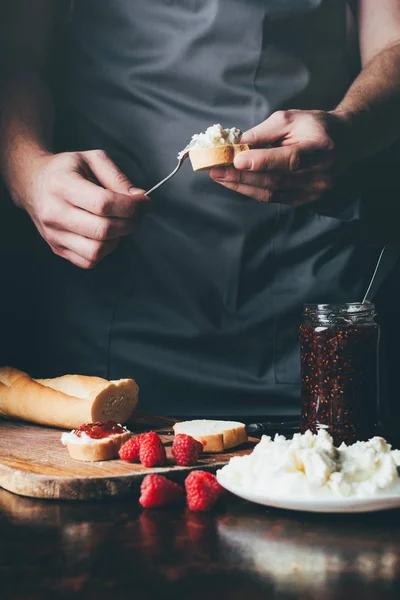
(271, 427)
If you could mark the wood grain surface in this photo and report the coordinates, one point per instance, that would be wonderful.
(33, 462)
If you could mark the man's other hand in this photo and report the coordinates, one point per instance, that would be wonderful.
(294, 158)
(80, 202)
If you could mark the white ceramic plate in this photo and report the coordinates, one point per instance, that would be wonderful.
(326, 504)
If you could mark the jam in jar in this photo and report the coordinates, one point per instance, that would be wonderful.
(99, 430)
(339, 371)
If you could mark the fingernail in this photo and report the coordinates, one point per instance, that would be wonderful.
(242, 163)
(218, 173)
(247, 137)
(137, 192)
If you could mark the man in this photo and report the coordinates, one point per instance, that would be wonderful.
(197, 294)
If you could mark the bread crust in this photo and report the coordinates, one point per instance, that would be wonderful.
(66, 401)
(105, 449)
(217, 156)
(215, 442)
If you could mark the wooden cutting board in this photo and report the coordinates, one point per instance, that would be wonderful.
(33, 462)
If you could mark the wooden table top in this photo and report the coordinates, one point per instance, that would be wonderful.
(114, 549)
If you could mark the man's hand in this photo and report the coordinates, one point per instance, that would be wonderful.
(80, 202)
(300, 165)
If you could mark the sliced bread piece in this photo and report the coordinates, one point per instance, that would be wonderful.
(215, 156)
(216, 436)
(88, 449)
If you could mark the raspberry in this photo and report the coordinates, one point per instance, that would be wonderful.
(152, 452)
(130, 449)
(157, 491)
(186, 450)
(202, 490)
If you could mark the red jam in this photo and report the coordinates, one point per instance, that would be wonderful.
(99, 430)
(339, 363)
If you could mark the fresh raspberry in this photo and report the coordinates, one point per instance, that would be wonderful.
(152, 452)
(157, 491)
(130, 449)
(202, 490)
(186, 450)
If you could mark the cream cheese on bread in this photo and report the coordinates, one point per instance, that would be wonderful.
(214, 136)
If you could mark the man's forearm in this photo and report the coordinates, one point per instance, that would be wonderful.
(371, 106)
(26, 125)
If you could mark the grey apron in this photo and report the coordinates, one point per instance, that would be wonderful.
(201, 305)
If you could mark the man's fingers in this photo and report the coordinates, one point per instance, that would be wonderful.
(61, 216)
(284, 158)
(316, 159)
(310, 180)
(90, 251)
(107, 173)
(269, 131)
(73, 258)
(293, 198)
(97, 200)
(307, 155)
(81, 222)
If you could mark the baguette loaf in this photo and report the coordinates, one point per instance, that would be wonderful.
(215, 156)
(216, 436)
(67, 401)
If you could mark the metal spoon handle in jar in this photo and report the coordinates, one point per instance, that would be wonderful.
(386, 261)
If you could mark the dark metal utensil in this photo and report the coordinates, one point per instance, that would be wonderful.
(178, 166)
(272, 427)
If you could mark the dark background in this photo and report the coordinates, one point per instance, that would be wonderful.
(21, 248)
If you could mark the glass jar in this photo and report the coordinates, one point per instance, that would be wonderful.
(339, 371)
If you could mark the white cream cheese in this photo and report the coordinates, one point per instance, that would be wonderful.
(396, 457)
(310, 465)
(72, 438)
(214, 136)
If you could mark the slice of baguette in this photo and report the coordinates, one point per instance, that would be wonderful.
(216, 436)
(94, 450)
(217, 156)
